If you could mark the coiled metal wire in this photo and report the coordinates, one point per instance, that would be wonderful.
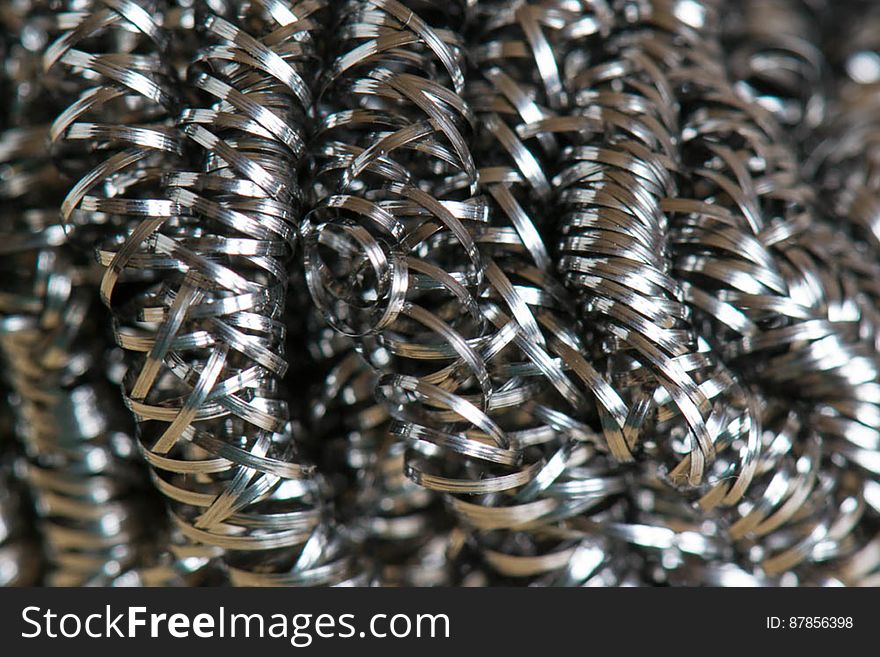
(94, 512)
(776, 58)
(781, 333)
(475, 292)
(94, 504)
(400, 527)
(206, 247)
(844, 166)
(450, 268)
(614, 251)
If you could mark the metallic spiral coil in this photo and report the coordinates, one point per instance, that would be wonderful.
(89, 492)
(421, 247)
(391, 135)
(758, 260)
(657, 233)
(846, 168)
(92, 498)
(572, 416)
(195, 272)
(681, 406)
(90, 495)
(254, 78)
(409, 292)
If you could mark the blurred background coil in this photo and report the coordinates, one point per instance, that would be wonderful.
(97, 514)
(775, 57)
(20, 551)
(792, 327)
(403, 530)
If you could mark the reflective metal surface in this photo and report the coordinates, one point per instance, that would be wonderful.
(402, 292)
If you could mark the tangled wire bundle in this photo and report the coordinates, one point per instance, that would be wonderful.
(475, 292)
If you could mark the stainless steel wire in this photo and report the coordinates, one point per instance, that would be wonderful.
(421, 248)
(798, 336)
(401, 528)
(620, 163)
(205, 191)
(20, 552)
(844, 165)
(96, 512)
(776, 58)
(543, 292)
(91, 497)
